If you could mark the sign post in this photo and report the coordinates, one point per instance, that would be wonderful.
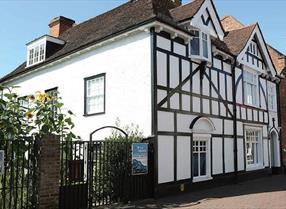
(1, 162)
(139, 158)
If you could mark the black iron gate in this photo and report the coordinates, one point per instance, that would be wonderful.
(96, 173)
(17, 178)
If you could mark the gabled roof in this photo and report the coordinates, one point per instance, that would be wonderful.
(125, 17)
(187, 11)
(236, 40)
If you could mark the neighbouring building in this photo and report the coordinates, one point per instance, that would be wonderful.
(279, 60)
(206, 89)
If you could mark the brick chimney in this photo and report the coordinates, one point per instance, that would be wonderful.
(229, 23)
(60, 24)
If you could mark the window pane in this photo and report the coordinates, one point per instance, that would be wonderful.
(195, 44)
(196, 164)
(95, 95)
(203, 166)
(205, 45)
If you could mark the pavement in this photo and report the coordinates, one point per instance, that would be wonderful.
(262, 193)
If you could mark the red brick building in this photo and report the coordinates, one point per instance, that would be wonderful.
(279, 61)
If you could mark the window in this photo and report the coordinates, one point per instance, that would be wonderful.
(195, 44)
(253, 147)
(271, 97)
(36, 54)
(201, 161)
(53, 93)
(200, 45)
(205, 45)
(250, 88)
(95, 95)
(24, 102)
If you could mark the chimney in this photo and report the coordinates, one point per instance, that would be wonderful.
(60, 24)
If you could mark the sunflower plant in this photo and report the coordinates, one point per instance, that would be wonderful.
(41, 115)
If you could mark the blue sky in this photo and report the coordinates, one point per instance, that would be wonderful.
(24, 20)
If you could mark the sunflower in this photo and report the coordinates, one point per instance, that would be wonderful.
(32, 98)
(29, 115)
(41, 97)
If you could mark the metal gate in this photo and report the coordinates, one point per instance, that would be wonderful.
(17, 178)
(96, 173)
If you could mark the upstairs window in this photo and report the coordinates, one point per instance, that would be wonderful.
(200, 46)
(95, 95)
(271, 98)
(36, 54)
(250, 88)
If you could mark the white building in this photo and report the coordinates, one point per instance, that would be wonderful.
(205, 88)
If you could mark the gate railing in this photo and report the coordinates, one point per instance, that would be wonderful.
(96, 173)
(17, 182)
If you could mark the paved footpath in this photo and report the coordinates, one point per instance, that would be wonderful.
(263, 193)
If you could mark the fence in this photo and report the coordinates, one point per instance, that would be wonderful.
(17, 182)
(98, 173)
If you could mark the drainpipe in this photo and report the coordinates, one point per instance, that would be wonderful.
(278, 100)
(234, 121)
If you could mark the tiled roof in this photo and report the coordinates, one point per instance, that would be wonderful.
(186, 11)
(125, 17)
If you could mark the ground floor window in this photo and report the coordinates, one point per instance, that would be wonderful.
(201, 161)
(253, 143)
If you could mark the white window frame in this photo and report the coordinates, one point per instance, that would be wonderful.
(259, 157)
(38, 55)
(86, 96)
(245, 82)
(207, 139)
(271, 98)
(201, 45)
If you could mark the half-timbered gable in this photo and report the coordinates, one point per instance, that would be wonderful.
(213, 108)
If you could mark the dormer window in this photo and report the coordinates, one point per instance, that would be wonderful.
(36, 54)
(200, 47)
(41, 48)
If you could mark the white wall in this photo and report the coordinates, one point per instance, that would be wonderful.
(127, 64)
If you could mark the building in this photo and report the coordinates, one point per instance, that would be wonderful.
(206, 89)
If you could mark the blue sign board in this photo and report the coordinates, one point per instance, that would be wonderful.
(139, 158)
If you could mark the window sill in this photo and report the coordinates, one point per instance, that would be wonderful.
(203, 178)
(254, 167)
(93, 114)
(200, 58)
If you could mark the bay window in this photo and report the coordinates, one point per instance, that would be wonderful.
(200, 47)
(95, 94)
(253, 143)
(250, 88)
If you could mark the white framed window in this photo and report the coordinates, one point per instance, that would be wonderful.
(271, 98)
(36, 54)
(201, 158)
(251, 88)
(253, 148)
(95, 95)
(200, 46)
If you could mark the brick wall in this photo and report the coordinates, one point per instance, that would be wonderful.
(49, 172)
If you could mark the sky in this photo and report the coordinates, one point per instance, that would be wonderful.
(24, 20)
